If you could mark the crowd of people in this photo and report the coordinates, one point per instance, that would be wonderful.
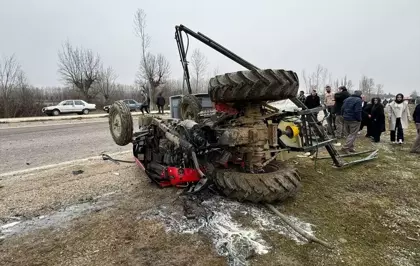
(349, 114)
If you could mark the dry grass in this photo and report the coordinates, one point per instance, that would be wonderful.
(371, 211)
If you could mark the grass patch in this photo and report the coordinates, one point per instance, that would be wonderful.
(370, 211)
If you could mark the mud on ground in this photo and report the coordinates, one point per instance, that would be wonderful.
(369, 212)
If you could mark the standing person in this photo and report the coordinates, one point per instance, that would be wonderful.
(399, 116)
(352, 115)
(366, 121)
(329, 101)
(160, 102)
(313, 101)
(301, 96)
(377, 116)
(385, 102)
(339, 98)
(416, 119)
(145, 105)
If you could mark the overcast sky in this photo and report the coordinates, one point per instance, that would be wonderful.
(378, 38)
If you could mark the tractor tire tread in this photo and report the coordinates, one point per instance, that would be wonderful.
(277, 185)
(254, 85)
(119, 108)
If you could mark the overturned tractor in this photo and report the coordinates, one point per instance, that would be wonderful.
(236, 148)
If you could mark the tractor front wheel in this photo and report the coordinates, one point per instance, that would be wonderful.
(190, 107)
(121, 123)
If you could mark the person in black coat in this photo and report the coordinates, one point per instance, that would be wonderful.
(313, 100)
(160, 102)
(377, 116)
(366, 121)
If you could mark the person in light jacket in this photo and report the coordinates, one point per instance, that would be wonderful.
(329, 101)
(399, 117)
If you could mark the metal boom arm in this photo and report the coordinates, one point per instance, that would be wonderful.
(209, 42)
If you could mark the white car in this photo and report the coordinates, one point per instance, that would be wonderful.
(70, 106)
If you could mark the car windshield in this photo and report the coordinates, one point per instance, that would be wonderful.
(62, 103)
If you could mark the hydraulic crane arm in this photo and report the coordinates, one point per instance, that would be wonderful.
(209, 42)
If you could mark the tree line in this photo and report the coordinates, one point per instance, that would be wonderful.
(85, 76)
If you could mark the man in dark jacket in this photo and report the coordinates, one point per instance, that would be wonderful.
(313, 100)
(339, 97)
(160, 102)
(352, 115)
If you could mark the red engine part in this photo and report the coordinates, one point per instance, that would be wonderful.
(222, 107)
(179, 176)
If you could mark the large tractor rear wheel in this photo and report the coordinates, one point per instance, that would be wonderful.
(278, 183)
(121, 123)
(254, 86)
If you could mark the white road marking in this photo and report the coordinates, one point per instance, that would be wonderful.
(46, 167)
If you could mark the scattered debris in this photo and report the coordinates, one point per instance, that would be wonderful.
(342, 240)
(77, 172)
(305, 234)
(117, 174)
(106, 157)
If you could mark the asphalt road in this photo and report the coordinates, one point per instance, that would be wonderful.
(37, 145)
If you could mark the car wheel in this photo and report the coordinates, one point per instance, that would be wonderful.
(56, 112)
(86, 111)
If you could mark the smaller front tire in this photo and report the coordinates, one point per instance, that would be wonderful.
(55, 112)
(85, 111)
(121, 123)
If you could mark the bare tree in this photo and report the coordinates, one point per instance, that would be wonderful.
(10, 70)
(344, 82)
(414, 94)
(106, 83)
(379, 90)
(367, 86)
(154, 69)
(316, 80)
(199, 63)
(79, 67)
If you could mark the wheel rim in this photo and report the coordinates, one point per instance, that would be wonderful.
(116, 125)
(55, 112)
(85, 111)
